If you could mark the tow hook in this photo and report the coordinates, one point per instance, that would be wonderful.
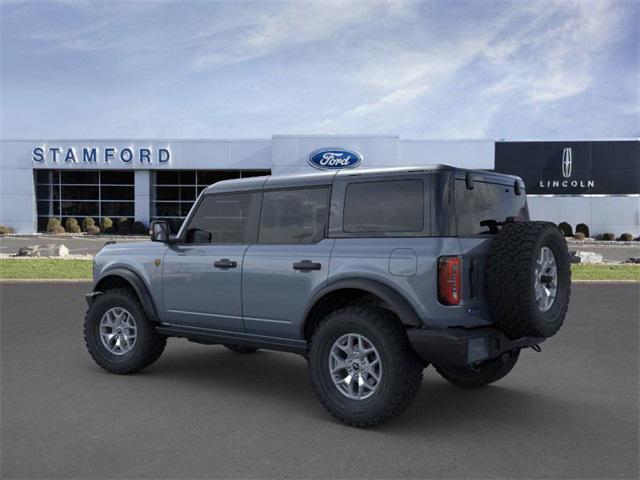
(536, 348)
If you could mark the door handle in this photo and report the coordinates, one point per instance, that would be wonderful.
(225, 263)
(306, 265)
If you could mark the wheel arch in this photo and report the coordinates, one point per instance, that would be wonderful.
(123, 277)
(342, 293)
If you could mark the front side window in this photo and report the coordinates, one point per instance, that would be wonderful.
(222, 219)
(294, 216)
(395, 206)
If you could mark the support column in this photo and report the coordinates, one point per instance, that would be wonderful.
(142, 207)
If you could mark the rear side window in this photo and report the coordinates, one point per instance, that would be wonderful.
(487, 201)
(395, 206)
(294, 216)
(222, 219)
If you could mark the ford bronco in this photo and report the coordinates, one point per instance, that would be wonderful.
(371, 275)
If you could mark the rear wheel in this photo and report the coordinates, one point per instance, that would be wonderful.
(240, 348)
(481, 374)
(118, 335)
(362, 367)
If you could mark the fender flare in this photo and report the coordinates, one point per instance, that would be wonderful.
(397, 303)
(138, 285)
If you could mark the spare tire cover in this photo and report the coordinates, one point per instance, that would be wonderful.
(528, 279)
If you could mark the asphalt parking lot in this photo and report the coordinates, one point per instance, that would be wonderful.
(568, 412)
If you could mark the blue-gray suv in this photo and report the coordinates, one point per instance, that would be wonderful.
(371, 275)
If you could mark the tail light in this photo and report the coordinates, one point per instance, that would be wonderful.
(449, 280)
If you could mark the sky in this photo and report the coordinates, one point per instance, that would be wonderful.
(420, 70)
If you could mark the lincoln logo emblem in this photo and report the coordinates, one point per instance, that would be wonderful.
(567, 160)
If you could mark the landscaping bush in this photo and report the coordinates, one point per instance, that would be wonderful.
(579, 236)
(566, 229)
(107, 225)
(607, 236)
(626, 237)
(57, 230)
(71, 225)
(123, 226)
(93, 230)
(5, 230)
(583, 228)
(54, 225)
(139, 229)
(88, 222)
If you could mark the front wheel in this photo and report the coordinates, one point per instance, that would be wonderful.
(482, 374)
(119, 336)
(362, 366)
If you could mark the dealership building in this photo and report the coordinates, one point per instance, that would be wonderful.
(596, 182)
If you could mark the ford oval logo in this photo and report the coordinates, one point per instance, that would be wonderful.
(334, 158)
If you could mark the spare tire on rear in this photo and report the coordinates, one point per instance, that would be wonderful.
(528, 279)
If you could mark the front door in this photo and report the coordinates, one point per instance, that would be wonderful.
(202, 272)
(289, 263)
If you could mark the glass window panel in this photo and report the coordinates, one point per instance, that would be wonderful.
(200, 189)
(168, 193)
(43, 191)
(71, 177)
(167, 209)
(401, 208)
(80, 209)
(209, 177)
(168, 178)
(56, 208)
(294, 216)
(117, 209)
(80, 192)
(187, 177)
(254, 173)
(222, 219)
(185, 207)
(43, 176)
(117, 177)
(187, 193)
(43, 208)
(42, 223)
(116, 193)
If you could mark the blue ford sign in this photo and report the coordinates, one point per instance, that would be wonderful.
(334, 158)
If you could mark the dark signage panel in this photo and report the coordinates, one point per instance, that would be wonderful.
(598, 167)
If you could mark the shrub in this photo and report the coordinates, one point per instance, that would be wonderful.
(607, 236)
(138, 228)
(566, 229)
(88, 222)
(93, 230)
(5, 230)
(124, 226)
(57, 230)
(583, 228)
(107, 225)
(626, 237)
(71, 225)
(579, 236)
(53, 224)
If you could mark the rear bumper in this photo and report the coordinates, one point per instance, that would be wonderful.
(457, 347)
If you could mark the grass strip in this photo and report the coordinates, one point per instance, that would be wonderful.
(38, 269)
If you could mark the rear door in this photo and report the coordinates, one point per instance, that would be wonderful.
(289, 262)
(202, 274)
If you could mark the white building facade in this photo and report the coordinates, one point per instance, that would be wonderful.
(591, 182)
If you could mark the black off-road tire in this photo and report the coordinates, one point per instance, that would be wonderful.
(401, 368)
(148, 346)
(510, 279)
(240, 348)
(482, 374)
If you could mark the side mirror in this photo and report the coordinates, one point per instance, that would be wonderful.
(159, 231)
